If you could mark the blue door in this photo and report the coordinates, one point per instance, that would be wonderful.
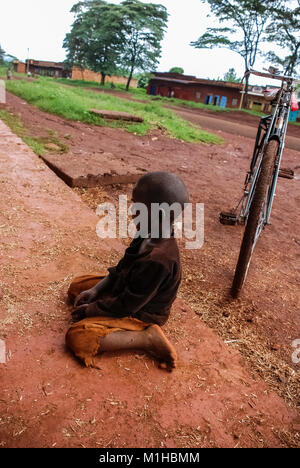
(223, 102)
(216, 100)
(153, 90)
(208, 99)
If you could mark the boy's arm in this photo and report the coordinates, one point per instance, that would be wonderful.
(143, 284)
(103, 285)
(90, 295)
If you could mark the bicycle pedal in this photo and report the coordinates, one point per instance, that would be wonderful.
(228, 219)
(286, 173)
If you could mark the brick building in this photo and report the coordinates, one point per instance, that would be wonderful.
(190, 88)
(19, 67)
(57, 70)
(40, 67)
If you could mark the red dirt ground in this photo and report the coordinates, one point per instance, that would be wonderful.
(237, 123)
(240, 117)
(261, 326)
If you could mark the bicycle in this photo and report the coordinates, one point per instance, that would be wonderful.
(261, 180)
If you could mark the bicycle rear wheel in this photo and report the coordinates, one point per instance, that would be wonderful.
(256, 218)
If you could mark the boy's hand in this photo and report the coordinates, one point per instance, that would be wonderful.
(80, 313)
(86, 297)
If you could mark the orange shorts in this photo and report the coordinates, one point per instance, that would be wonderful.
(83, 337)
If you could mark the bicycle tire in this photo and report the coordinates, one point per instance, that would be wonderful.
(257, 206)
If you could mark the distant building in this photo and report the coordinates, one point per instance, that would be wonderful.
(218, 93)
(19, 67)
(190, 88)
(256, 101)
(57, 70)
(89, 75)
(40, 67)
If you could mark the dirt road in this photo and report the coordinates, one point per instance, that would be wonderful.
(218, 123)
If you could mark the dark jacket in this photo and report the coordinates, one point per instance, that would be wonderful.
(144, 286)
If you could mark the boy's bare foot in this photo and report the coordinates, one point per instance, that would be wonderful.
(159, 346)
(151, 339)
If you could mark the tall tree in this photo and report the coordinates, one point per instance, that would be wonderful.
(105, 36)
(285, 32)
(2, 53)
(246, 21)
(144, 27)
(96, 37)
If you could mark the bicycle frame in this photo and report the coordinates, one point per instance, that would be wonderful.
(261, 180)
(273, 126)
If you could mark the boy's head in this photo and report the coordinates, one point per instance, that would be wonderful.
(161, 188)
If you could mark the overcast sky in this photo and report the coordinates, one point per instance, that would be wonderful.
(41, 26)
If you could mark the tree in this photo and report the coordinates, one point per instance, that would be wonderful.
(2, 53)
(144, 27)
(143, 79)
(106, 37)
(247, 21)
(285, 32)
(177, 70)
(76, 42)
(231, 76)
(96, 37)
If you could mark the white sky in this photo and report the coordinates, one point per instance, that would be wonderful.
(41, 26)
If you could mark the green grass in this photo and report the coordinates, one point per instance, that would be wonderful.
(73, 103)
(15, 124)
(93, 84)
(3, 70)
(38, 145)
(86, 84)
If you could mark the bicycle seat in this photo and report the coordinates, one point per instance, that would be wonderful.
(274, 70)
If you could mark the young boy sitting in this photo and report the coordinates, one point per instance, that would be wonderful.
(126, 309)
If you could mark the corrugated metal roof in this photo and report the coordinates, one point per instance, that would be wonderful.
(174, 80)
(196, 81)
(41, 63)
